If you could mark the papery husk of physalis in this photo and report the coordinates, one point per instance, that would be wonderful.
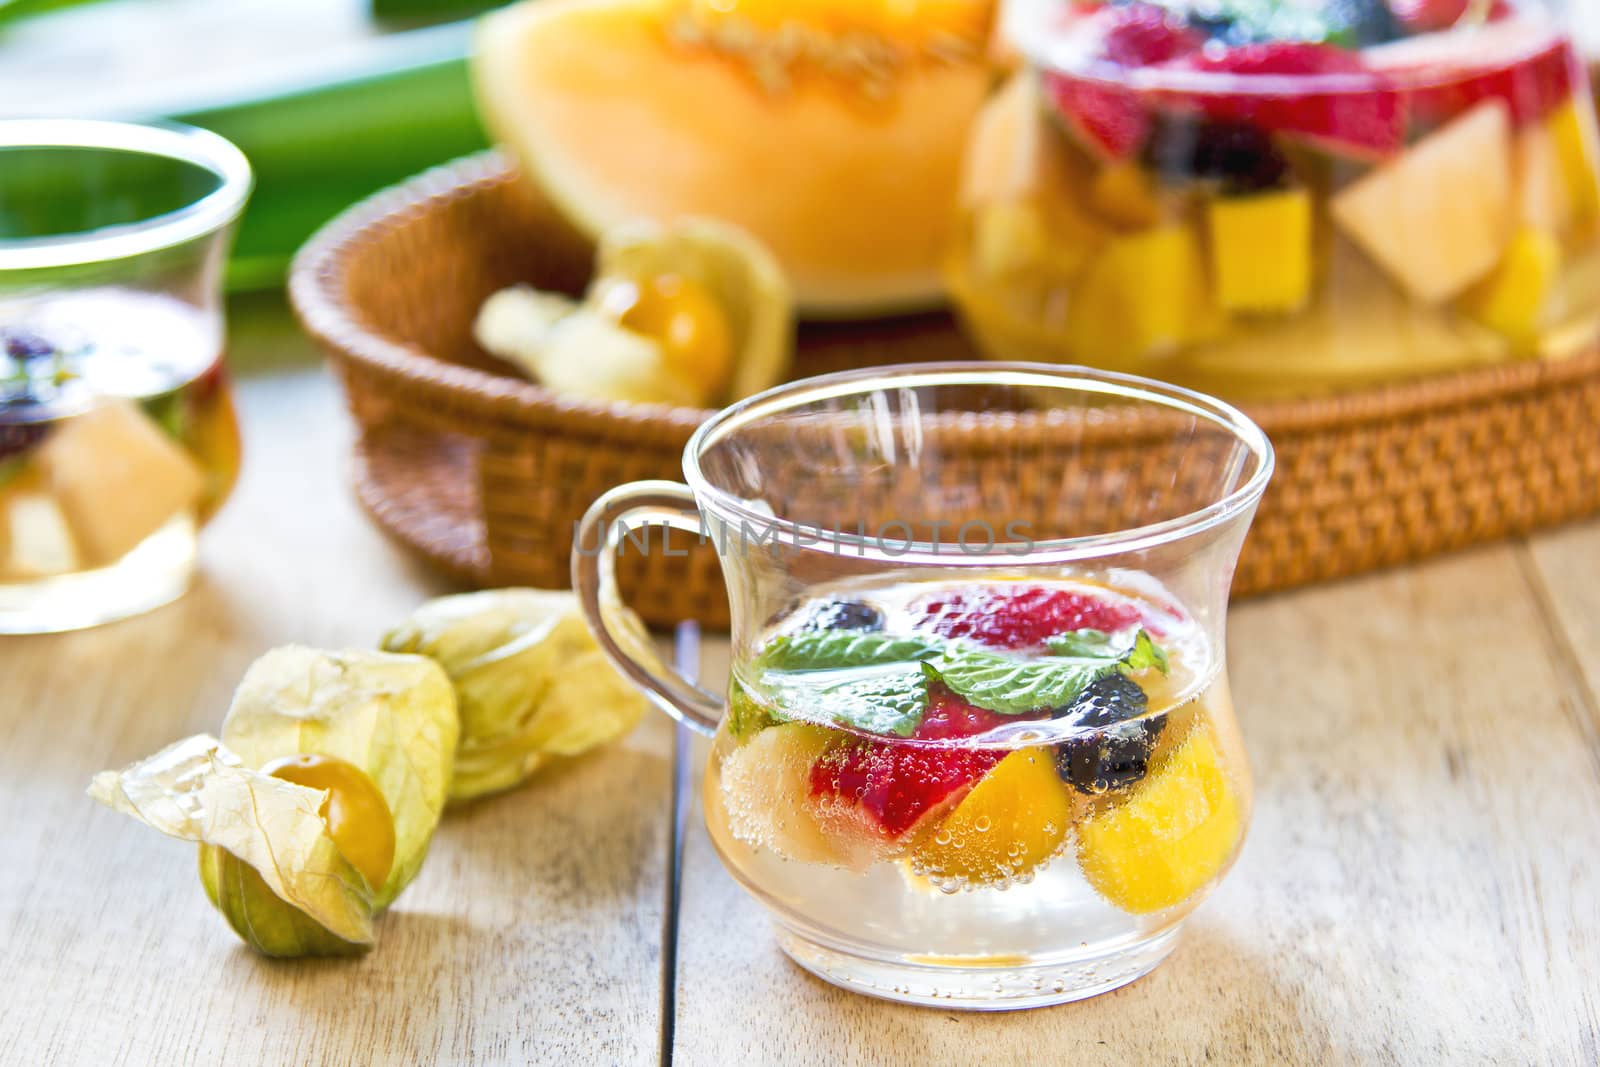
(392, 716)
(267, 860)
(530, 681)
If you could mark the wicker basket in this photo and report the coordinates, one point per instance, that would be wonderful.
(486, 474)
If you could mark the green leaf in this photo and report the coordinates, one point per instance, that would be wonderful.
(1144, 655)
(1010, 686)
(1081, 643)
(745, 716)
(815, 650)
(883, 704)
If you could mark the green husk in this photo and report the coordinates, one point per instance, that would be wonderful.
(197, 790)
(392, 716)
(267, 861)
(531, 683)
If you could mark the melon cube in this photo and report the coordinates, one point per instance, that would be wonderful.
(1438, 217)
(118, 478)
(1145, 292)
(1261, 250)
(1013, 150)
(38, 541)
(1510, 300)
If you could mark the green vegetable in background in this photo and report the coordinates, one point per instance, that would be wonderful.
(319, 149)
(530, 681)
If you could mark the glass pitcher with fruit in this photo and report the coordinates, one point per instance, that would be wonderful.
(118, 438)
(978, 748)
(1283, 199)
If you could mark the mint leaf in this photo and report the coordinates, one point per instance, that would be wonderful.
(836, 649)
(1145, 654)
(1010, 686)
(745, 716)
(891, 703)
(1081, 643)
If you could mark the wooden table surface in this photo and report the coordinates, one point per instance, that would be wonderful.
(1421, 883)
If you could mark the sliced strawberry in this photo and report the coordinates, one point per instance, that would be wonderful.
(949, 716)
(1425, 16)
(1019, 616)
(1109, 121)
(1363, 115)
(1531, 87)
(1141, 35)
(893, 785)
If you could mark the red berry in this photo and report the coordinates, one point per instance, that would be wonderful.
(949, 716)
(1140, 35)
(1532, 87)
(1019, 616)
(1362, 115)
(896, 783)
(1425, 16)
(1110, 121)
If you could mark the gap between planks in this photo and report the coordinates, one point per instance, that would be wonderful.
(1565, 659)
(686, 659)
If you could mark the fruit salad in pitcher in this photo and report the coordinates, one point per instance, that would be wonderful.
(998, 773)
(1267, 199)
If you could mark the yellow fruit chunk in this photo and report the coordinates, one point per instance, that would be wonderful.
(118, 479)
(1171, 836)
(35, 539)
(1510, 300)
(1013, 237)
(1261, 250)
(765, 785)
(358, 818)
(1437, 218)
(1543, 197)
(1144, 292)
(682, 316)
(1011, 822)
(1125, 194)
(1572, 129)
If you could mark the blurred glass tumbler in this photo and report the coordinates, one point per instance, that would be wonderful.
(118, 437)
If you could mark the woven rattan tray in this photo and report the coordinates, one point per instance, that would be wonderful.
(485, 474)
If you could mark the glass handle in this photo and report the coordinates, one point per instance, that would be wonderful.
(594, 579)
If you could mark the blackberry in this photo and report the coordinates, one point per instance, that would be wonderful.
(20, 438)
(1238, 154)
(1118, 755)
(24, 345)
(844, 615)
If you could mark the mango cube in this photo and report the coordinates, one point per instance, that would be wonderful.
(1573, 132)
(1438, 217)
(1174, 833)
(1144, 292)
(1509, 300)
(1261, 250)
(1125, 194)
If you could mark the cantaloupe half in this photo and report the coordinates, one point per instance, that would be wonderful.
(831, 130)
